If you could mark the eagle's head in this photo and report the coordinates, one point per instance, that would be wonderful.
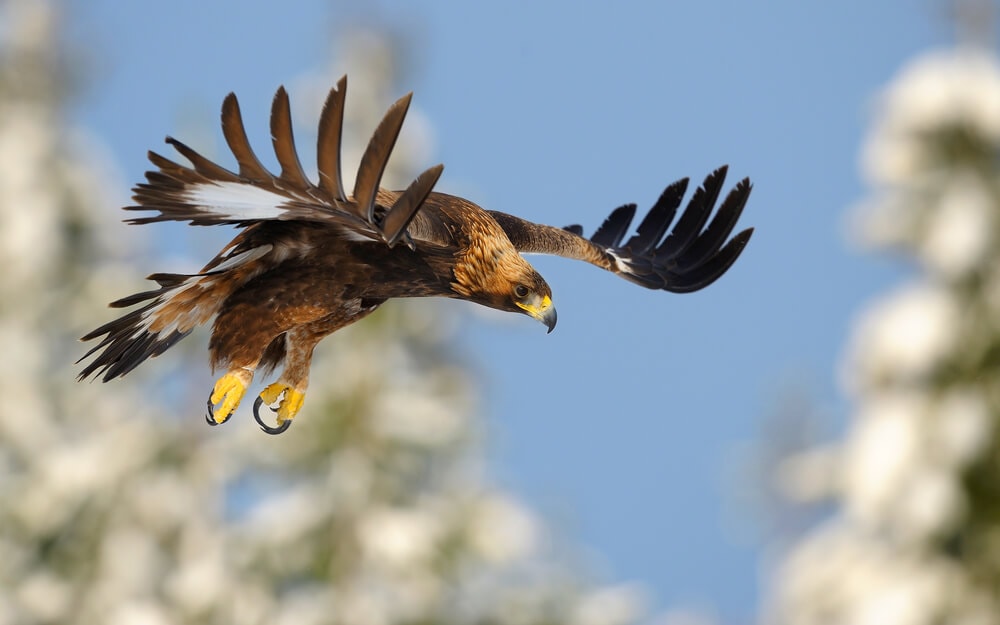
(494, 274)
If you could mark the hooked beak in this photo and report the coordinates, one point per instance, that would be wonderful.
(549, 318)
(543, 310)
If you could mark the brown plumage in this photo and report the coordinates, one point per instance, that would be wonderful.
(311, 258)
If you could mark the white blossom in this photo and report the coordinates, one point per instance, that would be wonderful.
(903, 336)
(939, 90)
(960, 426)
(615, 605)
(811, 475)
(881, 451)
(417, 418)
(959, 232)
(848, 576)
(502, 530)
(400, 538)
(920, 370)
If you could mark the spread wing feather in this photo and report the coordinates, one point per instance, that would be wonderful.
(689, 258)
(235, 133)
(376, 156)
(613, 229)
(654, 225)
(331, 124)
(409, 203)
(205, 193)
(284, 143)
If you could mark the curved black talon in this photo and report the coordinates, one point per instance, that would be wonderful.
(267, 428)
(210, 417)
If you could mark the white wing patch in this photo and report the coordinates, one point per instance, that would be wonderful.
(242, 258)
(236, 200)
(619, 263)
(360, 237)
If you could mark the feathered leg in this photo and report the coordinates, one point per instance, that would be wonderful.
(285, 397)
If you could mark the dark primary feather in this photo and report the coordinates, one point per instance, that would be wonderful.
(236, 136)
(331, 123)
(284, 143)
(614, 227)
(654, 225)
(405, 208)
(689, 258)
(693, 219)
(376, 157)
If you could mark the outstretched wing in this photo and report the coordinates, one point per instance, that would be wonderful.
(689, 258)
(206, 193)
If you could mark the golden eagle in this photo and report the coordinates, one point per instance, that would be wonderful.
(312, 258)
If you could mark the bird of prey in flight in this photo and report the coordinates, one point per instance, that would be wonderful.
(314, 256)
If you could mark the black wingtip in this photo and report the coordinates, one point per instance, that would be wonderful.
(613, 229)
(692, 255)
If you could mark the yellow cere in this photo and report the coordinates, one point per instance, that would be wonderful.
(536, 311)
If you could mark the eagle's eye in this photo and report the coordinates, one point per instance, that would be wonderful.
(521, 291)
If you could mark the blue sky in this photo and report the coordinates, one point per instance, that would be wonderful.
(627, 425)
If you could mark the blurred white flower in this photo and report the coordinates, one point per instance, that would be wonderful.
(923, 419)
(811, 475)
(45, 597)
(501, 530)
(139, 613)
(684, 617)
(931, 502)
(130, 561)
(311, 605)
(886, 220)
(414, 416)
(959, 230)
(614, 605)
(939, 90)
(286, 516)
(893, 476)
(843, 575)
(400, 538)
(350, 479)
(882, 448)
(26, 139)
(960, 424)
(903, 336)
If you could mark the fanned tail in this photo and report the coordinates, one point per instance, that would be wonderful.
(145, 332)
(182, 303)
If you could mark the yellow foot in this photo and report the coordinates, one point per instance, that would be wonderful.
(288, 407)
(229, 391)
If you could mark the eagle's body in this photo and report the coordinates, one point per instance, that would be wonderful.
(311, 259)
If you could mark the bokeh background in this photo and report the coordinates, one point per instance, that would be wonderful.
(810, 440)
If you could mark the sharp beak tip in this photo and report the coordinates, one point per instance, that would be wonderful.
(550, 319)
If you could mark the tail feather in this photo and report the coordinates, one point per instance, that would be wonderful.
(126, 343)
(170, 314)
